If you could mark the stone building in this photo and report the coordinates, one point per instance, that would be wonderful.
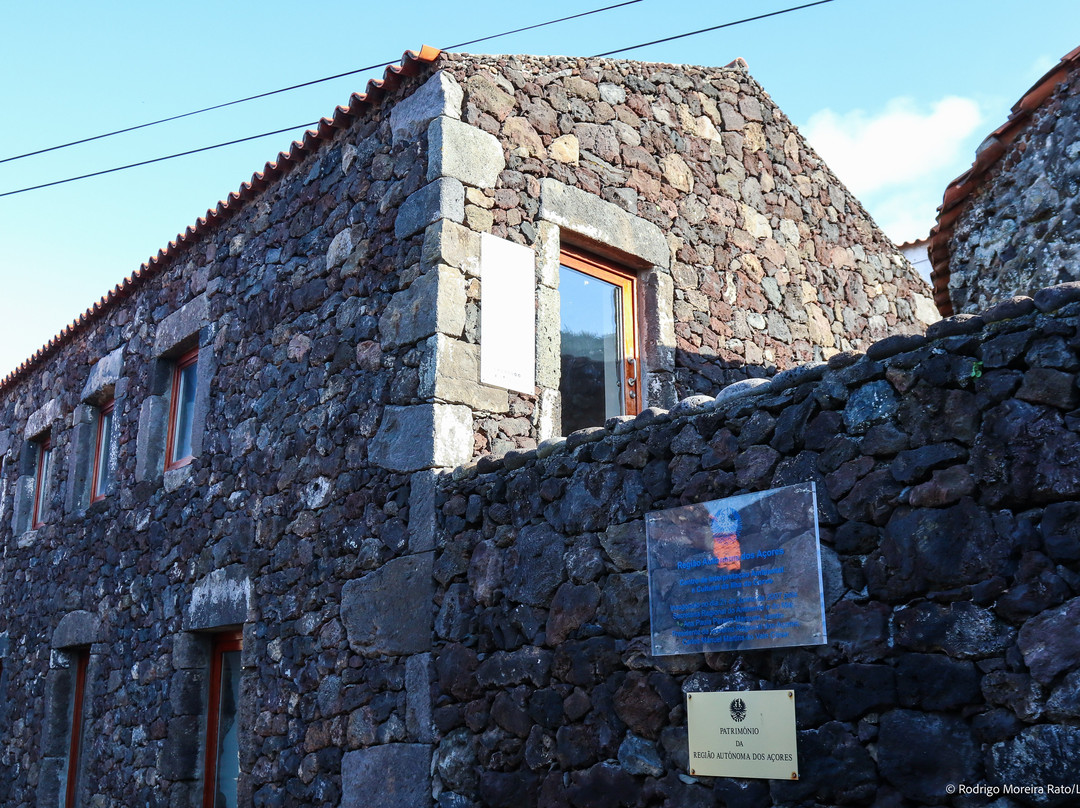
(223, 489)
(1011, 224)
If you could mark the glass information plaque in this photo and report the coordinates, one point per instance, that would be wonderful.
(737, 573)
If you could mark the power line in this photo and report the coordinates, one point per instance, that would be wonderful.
(713, 28)
(296, 87)
(293, 128)
(158, 159)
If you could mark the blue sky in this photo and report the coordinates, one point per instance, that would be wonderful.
(895, 96)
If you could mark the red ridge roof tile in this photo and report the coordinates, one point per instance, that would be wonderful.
(411, 63)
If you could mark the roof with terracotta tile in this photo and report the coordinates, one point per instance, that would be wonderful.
(990, 151)
(411, 63)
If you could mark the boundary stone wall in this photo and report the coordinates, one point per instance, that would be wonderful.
(401, 611)
(949, 502)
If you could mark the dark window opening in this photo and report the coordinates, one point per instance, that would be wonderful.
(75, 710)
(181, 411)
(222, 739)
(599, 376)
(42, 463)
(102, 474)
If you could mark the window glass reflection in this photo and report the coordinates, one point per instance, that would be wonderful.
(228, 749)
(185, 411)
(591, 333)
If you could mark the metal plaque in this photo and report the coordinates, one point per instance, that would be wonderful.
(745, 733)
(507, 314)
(736, 573)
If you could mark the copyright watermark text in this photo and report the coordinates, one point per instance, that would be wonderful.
(1008, 789)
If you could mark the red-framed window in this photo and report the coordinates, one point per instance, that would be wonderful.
(178, 450)
(598, 329)
(102, 474)
(222, 763)
(78, 699)
(41, 481)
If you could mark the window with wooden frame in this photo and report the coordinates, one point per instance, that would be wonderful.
(222, 761)
(599, 362)
(178, 451)
(42, 463)
(101, 480)
(80, 662)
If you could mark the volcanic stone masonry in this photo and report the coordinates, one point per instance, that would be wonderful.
(948, 474)
(328, 512)
(1020, 231)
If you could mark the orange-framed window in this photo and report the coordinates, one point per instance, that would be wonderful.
(78, 699)
(181, 411)
(599, 362)
(41, 481)
(222, 762)
(102, 475)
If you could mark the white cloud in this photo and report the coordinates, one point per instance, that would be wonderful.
(896, 146)
(898, 160)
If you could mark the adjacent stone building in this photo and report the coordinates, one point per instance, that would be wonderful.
(225, 491)
(1010, 225)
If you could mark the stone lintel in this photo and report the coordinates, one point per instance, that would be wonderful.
(104, 375)
(219, 600)
(603, 224)
(182, 326)
(77, 629)
(42, 418)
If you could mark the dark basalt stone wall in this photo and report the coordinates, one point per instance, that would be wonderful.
(282, 494)
(1019, 232)
(485, 642)
(948, 489)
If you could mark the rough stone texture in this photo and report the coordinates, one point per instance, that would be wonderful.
(497, 611)
(181, 325)
(221, 599)
(603, 222)
(1031, 761)
(1020, 230)
(77, 629)
(104, 374)
(434, 303)
(950, 626)
(464, 153)
(439, 95)
(389, 611)
(423, 436)
(443, 198)
(390, 776)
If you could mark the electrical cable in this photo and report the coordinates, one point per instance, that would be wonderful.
(713, 28)
(301, 85)
(300, 126)
(158, 159)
